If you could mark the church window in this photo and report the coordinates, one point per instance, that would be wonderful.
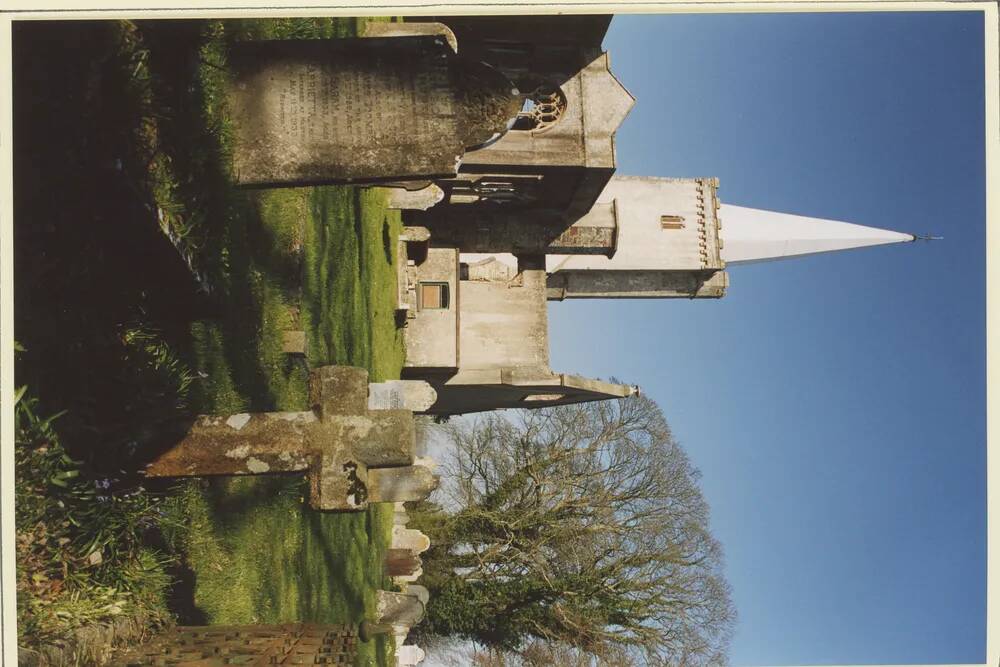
(433, 296)
(542, 109)
(671, 222)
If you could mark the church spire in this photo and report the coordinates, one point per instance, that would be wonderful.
(752, 235)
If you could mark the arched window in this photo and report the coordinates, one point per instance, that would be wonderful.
(542, 109)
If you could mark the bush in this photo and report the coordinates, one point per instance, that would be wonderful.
(83, 554)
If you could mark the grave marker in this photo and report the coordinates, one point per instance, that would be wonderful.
(365, 110)
(351, 454)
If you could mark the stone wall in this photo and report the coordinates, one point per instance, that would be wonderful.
(431, 337)
(504, 323)
(637, 285)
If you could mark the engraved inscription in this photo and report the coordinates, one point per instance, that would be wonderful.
(353, 110)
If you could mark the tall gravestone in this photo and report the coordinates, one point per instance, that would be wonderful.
(366, 110)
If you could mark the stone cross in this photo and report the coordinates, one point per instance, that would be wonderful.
(353, 454)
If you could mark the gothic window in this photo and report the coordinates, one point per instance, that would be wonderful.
(504, 190)
(542, 109)
(496, 190)
(433, 296)
(671, 222)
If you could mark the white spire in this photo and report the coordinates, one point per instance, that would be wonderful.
(753, 235)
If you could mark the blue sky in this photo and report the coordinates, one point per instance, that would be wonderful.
(835, 404)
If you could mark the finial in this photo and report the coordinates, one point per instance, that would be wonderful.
(927, 237)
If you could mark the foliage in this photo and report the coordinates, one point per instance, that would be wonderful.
(82, 547)
(538, 653)
(581, 525)
(142, 141)
(312, 259)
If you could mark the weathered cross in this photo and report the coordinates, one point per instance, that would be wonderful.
(356, 443)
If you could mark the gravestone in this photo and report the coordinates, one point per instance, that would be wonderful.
(352, 455)
(412, 395)
(410, 539)
(414, 200)
(365, 110)
(398, 608)
(418, 591)
(401, 562)
(409, 655)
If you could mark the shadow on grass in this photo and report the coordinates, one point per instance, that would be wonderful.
(333, 291)
(387, 241)
(359, 230)
(92, 263)
(181, 597)
(335, 572)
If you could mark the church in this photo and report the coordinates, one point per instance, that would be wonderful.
(538, 214)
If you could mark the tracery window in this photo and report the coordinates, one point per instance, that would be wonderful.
(543, 108)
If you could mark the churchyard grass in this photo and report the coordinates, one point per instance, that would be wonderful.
(259, 554)
(312, 259)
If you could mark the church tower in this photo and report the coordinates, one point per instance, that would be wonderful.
(674, 238)
(540, 215)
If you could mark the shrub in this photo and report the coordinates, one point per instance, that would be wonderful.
(83, 554)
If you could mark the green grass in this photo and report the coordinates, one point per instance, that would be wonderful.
(261, 555)
(127, 122)
(257, 551)
(314, 259)
(348, 313)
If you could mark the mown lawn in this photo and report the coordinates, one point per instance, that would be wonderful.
(319, 260)
(256, 551)
(259, 554)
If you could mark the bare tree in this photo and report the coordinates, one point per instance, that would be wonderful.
(582, 526)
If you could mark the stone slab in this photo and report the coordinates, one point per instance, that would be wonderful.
(412, 395)
(293, 342)
(409, 655)
(240, 444)
(398, 608)
(414, 200)
(364, 110)
(408, 538)
(405, 29)
(401, 484)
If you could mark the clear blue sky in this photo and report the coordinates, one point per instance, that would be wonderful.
(834, 404)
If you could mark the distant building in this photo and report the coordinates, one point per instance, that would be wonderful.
(539, 215)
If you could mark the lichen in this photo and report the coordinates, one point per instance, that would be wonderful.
(257, 466)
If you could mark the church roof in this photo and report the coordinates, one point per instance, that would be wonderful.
(752, 235)
(606, 103)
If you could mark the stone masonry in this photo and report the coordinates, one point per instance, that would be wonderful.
(351, 453)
